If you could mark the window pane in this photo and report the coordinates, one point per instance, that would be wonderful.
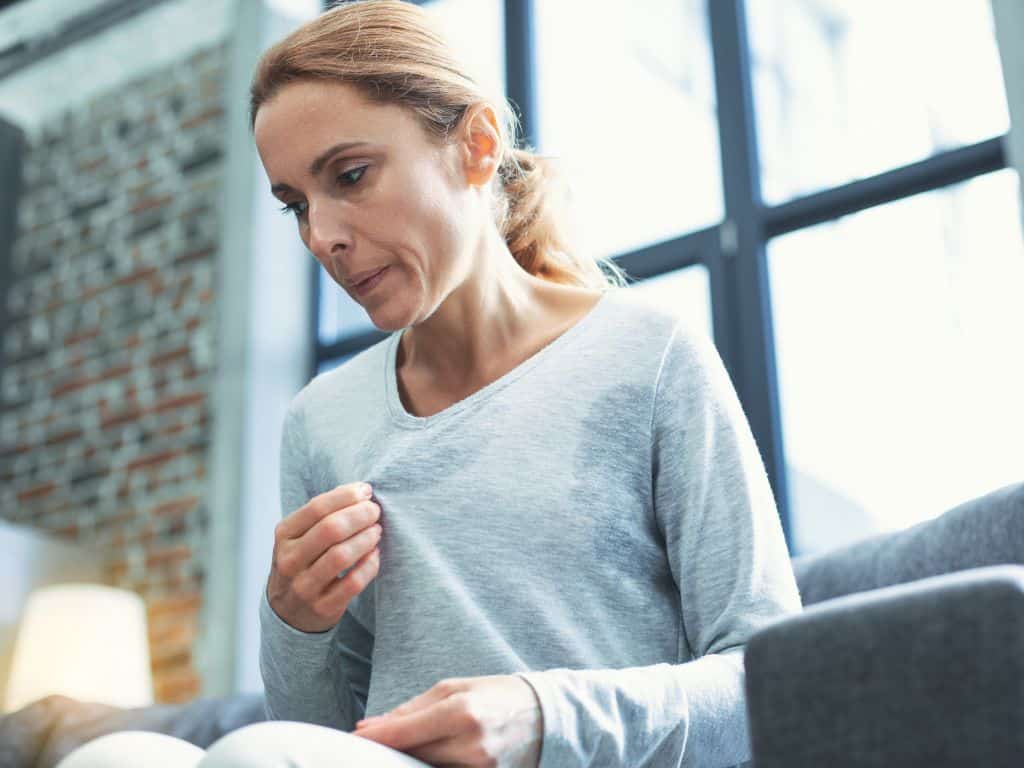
(327, 365)
(683, 291)
(476, 30)
(898, 347)
(626, 104)
(340, 315)
(845, 89)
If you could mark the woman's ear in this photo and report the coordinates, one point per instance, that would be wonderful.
(481, 144)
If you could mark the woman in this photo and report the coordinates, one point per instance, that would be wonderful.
(569, 535)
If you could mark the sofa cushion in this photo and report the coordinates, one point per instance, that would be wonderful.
(988, 530)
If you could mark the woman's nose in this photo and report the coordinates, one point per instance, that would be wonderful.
(328, 231)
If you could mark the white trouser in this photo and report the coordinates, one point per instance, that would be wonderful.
(272, 744)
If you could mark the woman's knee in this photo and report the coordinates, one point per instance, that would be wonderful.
(129, 749)
(287, 744)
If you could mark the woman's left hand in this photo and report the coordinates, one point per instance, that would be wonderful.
(494, 720)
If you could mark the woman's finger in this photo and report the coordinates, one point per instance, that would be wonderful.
(436, 693)
(453, 750)
(415, 729)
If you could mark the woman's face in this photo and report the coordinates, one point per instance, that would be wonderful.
(393, 200)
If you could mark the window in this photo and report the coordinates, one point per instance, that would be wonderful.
(330, 365)
(475, 29)
(896, 330)
(836, 180)
(684, 292)
(891, 323)
(629, 116)
(846, 89)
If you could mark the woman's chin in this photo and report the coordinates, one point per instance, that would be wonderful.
(386, 321)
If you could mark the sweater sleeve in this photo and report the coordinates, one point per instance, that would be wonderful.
(320, 677)
(727, 552)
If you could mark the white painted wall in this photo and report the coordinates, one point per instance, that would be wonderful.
(273, 270)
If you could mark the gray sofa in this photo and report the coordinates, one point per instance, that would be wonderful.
(906, 654)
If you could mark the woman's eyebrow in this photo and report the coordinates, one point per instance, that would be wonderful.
(321, 160)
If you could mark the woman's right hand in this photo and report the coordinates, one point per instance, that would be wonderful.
(331, 532)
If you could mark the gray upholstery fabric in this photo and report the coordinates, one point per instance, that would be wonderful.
(988, 530)
(922, 674)
(39, 735)
(907, 652)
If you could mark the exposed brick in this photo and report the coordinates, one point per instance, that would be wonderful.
(164, 660)
(63, 437)
(168, 555)
(117, 569)
(166, 357)
(36, 492)
(172, 637)
(156, 285)
(93, 165)
(124, 417)
(138, 274)
(121, 518)
(179, 402)
(15, 450)
(114, 372)
(68, 531)
(111, 285)
(176, 507)
(79, 382)
(173, 605)
(204, 253)
(151, 459)
(83, 335)
(147, 203)
(177, 687)
(202, 118)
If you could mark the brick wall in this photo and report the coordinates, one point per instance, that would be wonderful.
(105, 396)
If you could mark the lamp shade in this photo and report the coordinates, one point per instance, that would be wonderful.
(86, 641)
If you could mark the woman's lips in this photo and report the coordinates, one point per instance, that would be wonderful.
(370, 283)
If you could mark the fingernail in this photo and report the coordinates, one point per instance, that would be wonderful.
(367, 490)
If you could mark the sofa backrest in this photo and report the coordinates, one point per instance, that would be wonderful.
(988, 530)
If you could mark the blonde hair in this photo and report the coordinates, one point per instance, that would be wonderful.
(391, 52)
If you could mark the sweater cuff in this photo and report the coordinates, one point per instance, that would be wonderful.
(279, 629)
(556, 750)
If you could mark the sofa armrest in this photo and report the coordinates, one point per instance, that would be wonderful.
(925, 673)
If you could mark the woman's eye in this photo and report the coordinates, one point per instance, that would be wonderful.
(348, 180)
(292, 208)
(298, 209)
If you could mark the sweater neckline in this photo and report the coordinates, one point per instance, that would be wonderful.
(405, 419)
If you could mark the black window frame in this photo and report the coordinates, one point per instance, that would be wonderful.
(734, 250)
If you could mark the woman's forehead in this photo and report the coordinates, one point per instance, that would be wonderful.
(332, 111)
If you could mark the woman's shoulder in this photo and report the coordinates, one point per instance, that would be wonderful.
(346, 380)
(652, 322)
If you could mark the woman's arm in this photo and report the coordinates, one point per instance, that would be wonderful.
(727, 552)
(319, 677)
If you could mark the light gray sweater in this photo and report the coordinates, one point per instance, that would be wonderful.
(598, 521)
